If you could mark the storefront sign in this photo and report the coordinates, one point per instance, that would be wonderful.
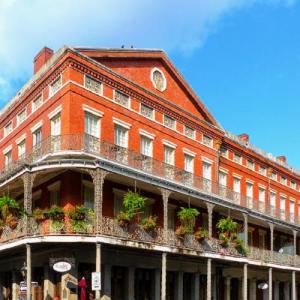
(96, 281)
(62, 266)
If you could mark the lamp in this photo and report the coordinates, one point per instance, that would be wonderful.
(23, 270)
(262, 286)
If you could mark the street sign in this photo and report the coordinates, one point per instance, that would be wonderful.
(96, 281)
(62, 266)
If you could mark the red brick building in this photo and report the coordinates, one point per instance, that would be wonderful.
(93, 124)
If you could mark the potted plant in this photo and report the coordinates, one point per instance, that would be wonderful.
(180, 232)
(80, 218)
(187, 217)
(56, 215)
(149, 223)
(239, 246)
(134, 205)
(38, 215)
(12, 221)
(123, 219)
(201, 234)
(224, 239)
(2, 225)
(9, 206)
(227, 231)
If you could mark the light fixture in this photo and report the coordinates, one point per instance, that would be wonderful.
(23, 270)
(280, 250)
(262, 286)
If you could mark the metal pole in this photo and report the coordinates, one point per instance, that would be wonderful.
(209, 279)
(245, 282)
(28, 271)
(163, 276)
(98, 265)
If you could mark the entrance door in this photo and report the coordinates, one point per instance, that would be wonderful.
(187, 283)
(143, 284)
(118, 283)
(170, 285)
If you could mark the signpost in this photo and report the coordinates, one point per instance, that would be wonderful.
(96, 281)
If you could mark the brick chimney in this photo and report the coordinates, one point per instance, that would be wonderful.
(244, 137)
(282, 158)
(41, 58)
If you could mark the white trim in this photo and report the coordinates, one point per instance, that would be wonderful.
(21, 139)
(50, 86)
(283, 195)
(34, 109)
(37, 126)
(188, 152)
(261, 186)
(120, 92)
(250, 181)
(91, 77)
(56, 111)
(121, 123)
(92, 110)
(223, 170)
(207, 160)
(7, 149)
(238, 176)
(164, 77)
(147, 134)
(169, 144)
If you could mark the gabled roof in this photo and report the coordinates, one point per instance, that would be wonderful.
(144, 54)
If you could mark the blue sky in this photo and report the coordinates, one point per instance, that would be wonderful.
(242, 57)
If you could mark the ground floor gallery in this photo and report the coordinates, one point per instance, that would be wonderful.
(130, 274)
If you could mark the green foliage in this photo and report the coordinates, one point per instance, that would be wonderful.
(149, 223)
(180, 231)
(134, 204)
(123, 219)
(224, 239)
(226, 225)
(187, 217)
(39, 215)
(201, 234)
(9, 206)
(55, 213)
(239, 246)
(80, 218)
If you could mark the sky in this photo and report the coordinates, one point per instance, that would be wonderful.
(242, 57)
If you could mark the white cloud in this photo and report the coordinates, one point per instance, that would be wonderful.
(175, 25)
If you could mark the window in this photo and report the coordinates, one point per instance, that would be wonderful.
(282, 207)
(169, 155)
(92, 124)
(237, 158)
(249, 190)
(37, 136)
(21, 148)
(171, 216)
(121, 136)
(293, 185)
(237, 185)
(222, 178)
(21, 117)
(88, 194)
(189, 163)
(146, 146)
(208, 141)
(283, 180)
(189, 132)
(250, 164)
(224, 152)
(292, 210)
(158, 79)
(118, 201)
(55, 86)
(37, 103)
(55, 125)
(249, 194)
(93, 85)
(169, 122)
(207, 170)
(8, 129)
(147, 111)
(262, 194)
(273, 201)
(262, 170)
(261, 239)
(54, 190)
(121, 98)
(8, 157)
(273, 176)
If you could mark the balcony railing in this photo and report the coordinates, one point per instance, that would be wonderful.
(135, 233)
(86, 144)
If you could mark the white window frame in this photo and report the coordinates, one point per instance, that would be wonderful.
(34, 107)
(7, 132)
(153, 111)
(120, 92)
(51, 92)
(96, 80)
(20, 121)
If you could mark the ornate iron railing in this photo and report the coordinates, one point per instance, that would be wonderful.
(57, 146)
(135, 233)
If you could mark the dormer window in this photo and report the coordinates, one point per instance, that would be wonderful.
(169, 122)
(93, 85)
(189, 132)
(8, 129)
(121, 98)
(55, 85)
